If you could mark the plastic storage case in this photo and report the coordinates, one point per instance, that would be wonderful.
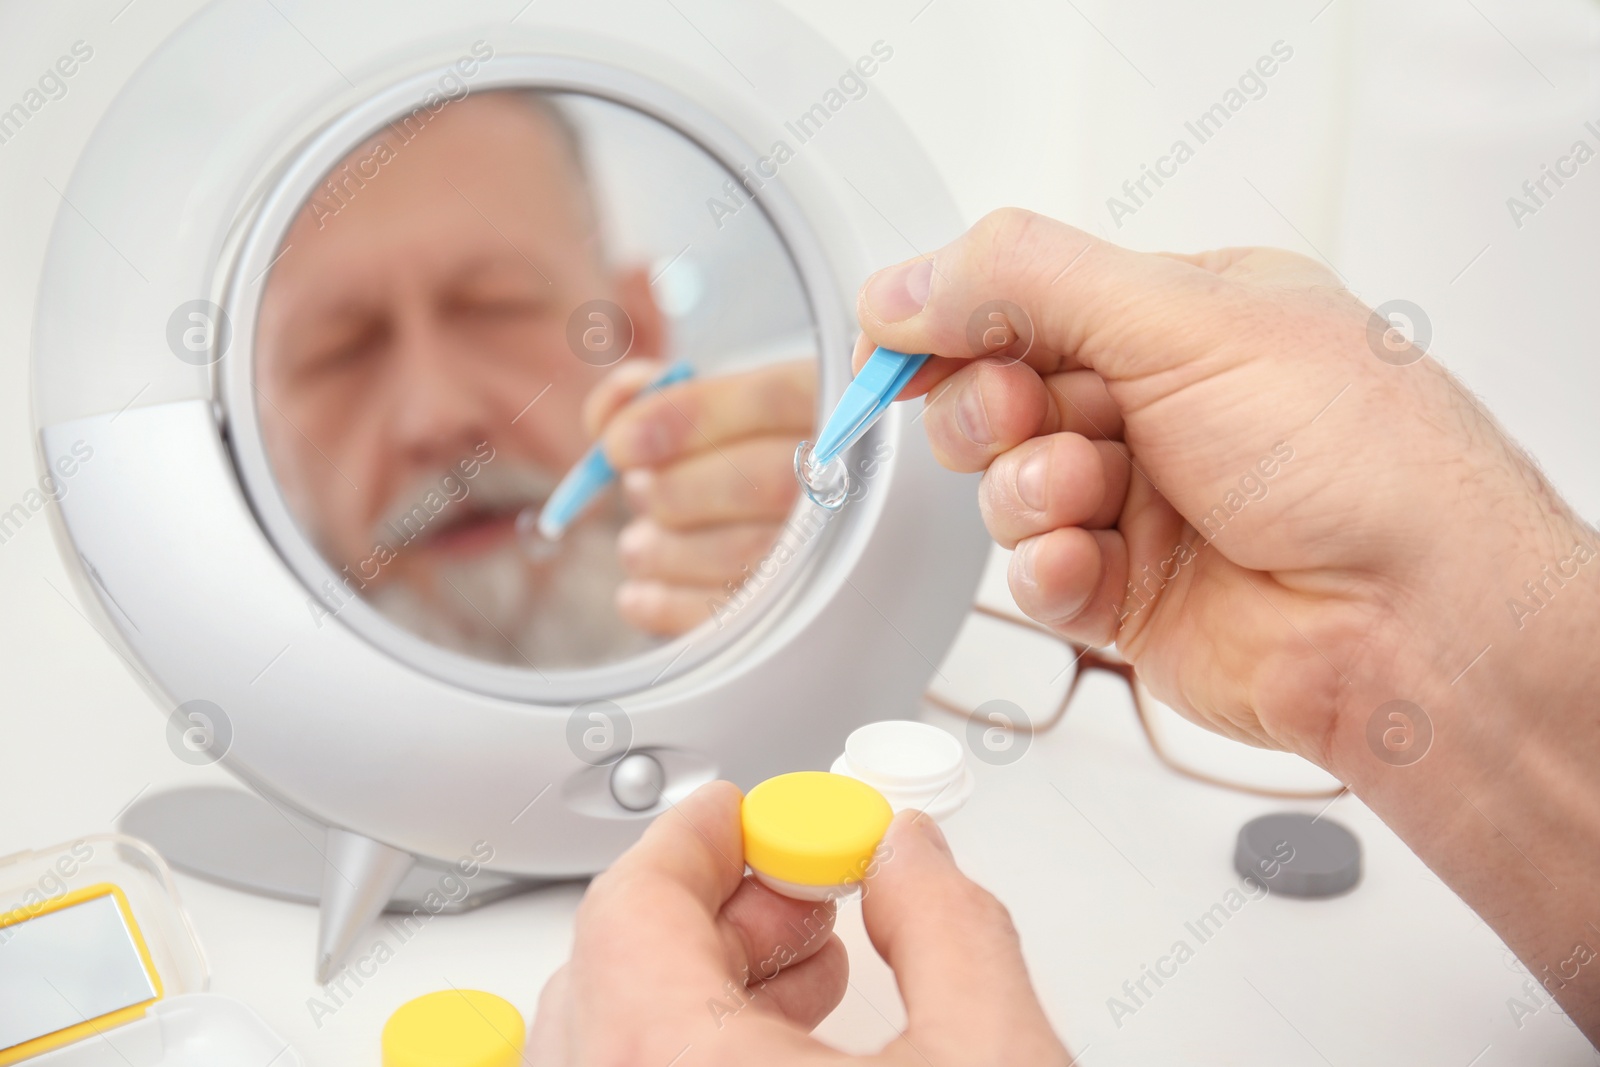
(179, 1025)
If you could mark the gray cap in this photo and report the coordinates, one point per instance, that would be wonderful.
(1298, 855)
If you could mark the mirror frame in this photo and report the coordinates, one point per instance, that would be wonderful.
(235, 384)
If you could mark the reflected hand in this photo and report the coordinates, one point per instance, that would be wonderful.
(673, 939)
(707, 466)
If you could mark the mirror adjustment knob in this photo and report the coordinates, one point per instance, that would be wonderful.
(637, 781)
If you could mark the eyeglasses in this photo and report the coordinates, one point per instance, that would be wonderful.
(1183, 746)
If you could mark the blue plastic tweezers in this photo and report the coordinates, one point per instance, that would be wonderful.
(867, 397)
(589, 477)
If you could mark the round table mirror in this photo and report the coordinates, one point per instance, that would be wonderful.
(466, 303)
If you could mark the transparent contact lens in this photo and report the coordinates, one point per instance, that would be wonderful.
(827, 484)
(534, 545)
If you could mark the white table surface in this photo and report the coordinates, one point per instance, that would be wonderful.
(1101, 854)
(1389, 152)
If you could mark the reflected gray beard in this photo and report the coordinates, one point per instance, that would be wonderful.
(501, 482)
(504, 607)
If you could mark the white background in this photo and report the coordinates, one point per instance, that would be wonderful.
(1387, 146)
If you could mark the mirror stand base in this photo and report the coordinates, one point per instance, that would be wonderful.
(244, 841)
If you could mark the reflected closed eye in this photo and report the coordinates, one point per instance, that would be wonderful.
(344, 350)
(500, 307)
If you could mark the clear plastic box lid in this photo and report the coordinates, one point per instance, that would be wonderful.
(100, 965)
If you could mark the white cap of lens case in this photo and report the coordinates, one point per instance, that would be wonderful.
(913, 764)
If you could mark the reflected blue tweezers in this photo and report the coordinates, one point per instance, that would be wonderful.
(589, 476)
(865, 400)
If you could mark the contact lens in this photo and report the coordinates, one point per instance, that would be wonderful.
(534, 545)
(827, 484)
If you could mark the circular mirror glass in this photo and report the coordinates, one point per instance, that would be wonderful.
(474, 300)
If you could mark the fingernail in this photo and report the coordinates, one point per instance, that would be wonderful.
(636, 486)
(630, 598)
(899, 292)
(972, 416)
(1021, 566)
(911, 824)
(633, 542)
(649, 441)
(931, 831)
(1033, 480)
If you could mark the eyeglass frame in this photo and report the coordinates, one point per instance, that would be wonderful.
(1088, 658)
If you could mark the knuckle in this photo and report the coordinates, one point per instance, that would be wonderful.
(626, 1047)
(981, 909)
(672, 503)
(1004, 224)
(1284, 257)
(685, 404)
(597, 901)
(778, 402)
(987, 912)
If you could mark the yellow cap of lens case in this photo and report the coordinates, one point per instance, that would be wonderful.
(812, 831)
(454, 1028)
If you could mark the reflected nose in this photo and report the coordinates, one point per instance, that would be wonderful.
(437, 409)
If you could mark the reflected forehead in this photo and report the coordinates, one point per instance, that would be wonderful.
(482, 168)
(360, 292)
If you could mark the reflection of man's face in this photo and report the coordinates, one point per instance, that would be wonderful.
(416, 314)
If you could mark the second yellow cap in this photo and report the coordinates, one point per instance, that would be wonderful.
(454, 1028)
(813, 828)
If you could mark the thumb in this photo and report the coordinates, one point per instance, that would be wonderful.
(1021, 286)
(954, 953)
